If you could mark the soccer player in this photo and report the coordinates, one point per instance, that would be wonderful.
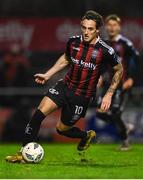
(85, 55)
(127, 54)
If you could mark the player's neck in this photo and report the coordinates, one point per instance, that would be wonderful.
(113, 38)
(93, 41)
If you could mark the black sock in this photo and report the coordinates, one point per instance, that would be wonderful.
(74, 132)
(33, 127)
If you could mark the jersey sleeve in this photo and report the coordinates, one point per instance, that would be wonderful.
(67, 51)
(111, 57)
(132, 57)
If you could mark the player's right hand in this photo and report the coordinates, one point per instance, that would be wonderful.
(40, 78)
(106, 102)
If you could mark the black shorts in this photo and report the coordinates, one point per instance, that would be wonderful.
(73, 106)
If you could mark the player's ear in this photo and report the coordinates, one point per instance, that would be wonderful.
(97, 30)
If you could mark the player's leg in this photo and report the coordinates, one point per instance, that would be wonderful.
(104, 117)
(116, 120)
(72, 111)
(70, 131)
(122, 131)
(52, 100)
(46, 107)
(75, 132)
(118, 107)
(115, 117)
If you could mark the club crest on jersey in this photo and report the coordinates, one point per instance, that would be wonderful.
(76, 48)
(94, 54)
(75, 117)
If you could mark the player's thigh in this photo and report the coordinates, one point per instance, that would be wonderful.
(72, 112)
(47, 106)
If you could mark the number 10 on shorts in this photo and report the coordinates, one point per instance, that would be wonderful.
(78, 109)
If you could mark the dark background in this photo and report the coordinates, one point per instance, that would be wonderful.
(74, 8)
(22, 95)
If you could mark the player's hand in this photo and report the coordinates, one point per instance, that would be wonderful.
(128, 84)
(40, 78)
(100, 82)
(106, 102)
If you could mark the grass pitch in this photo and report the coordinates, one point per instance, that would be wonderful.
(63, 161)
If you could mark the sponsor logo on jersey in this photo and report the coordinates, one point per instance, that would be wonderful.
(76, 48)
(83, 64)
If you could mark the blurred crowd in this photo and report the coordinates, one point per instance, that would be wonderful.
(14, 68)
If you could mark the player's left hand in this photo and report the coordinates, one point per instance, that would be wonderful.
(106, 102)
(100, 82)
(128, 84)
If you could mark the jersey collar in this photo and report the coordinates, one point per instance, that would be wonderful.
(118, 37)
(98, 38)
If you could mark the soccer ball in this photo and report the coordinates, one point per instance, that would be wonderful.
(33, 152)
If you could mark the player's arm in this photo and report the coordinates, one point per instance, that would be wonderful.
(128, 84)
(61, 63)
(118, 71)
(106, 102)
(132, 66)
(100, 81)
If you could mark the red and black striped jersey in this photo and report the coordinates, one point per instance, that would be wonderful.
(86, 63)
(127, 53)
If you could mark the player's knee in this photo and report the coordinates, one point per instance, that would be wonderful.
(62, 132)
(60, 127)
(42, 110)
(59, 131)
(47, 106)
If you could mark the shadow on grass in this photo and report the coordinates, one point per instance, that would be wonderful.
(89, 164)
(77, 163)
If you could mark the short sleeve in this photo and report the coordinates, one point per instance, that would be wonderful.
(67, 51)
(132, 56)
(112, 59)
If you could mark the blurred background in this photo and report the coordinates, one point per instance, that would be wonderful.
(33, 34)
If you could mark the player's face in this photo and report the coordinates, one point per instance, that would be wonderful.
(89, 31)
(113, 28)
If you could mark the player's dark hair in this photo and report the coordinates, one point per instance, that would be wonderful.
(113, 17)
(92, 15)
